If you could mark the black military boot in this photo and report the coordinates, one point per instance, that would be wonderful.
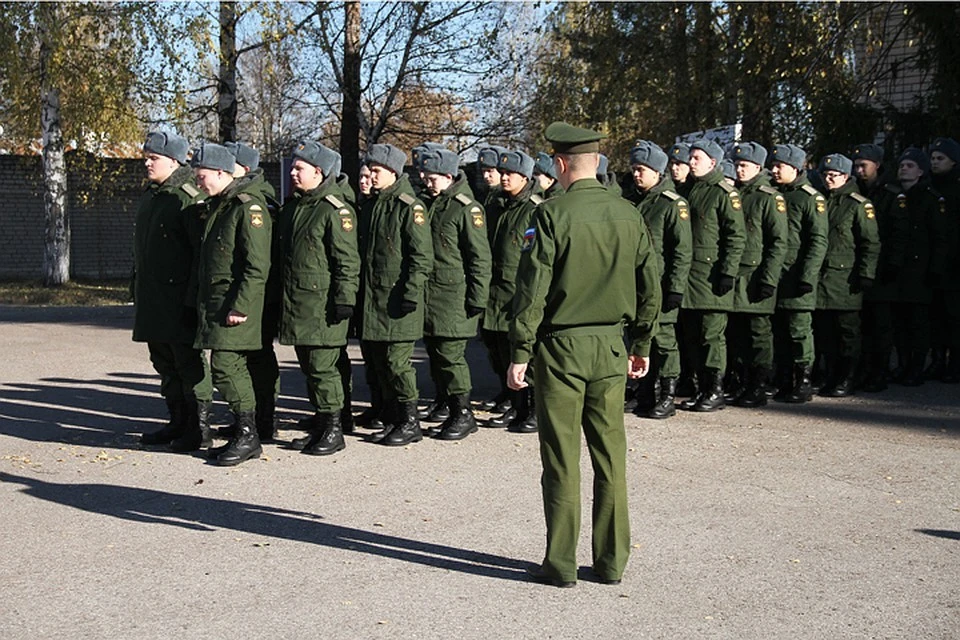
(436, 411)
(461, 422)
(503, 420)
(802, 390)
(903, 364)
(733, 384)
(500, 403)
(388, 416)
(198, 434)
(526, 420)
(644, 396)
(914, 374)
(843, 385)
(310, 424)
(328, 438)
(822, 373)
(407, 429)
(370, 417)
(711, 397)
(346, 415)
(666, 394)
(755, 394)
(687, 385)
(245, 444)
(938, 364)
(174, 428)
(266, 416)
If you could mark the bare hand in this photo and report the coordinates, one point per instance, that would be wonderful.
(234, 318)
(638, 366)
(515, 376)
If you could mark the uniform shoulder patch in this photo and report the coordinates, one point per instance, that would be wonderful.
(809, 189)
(683, 210)
(346, 223)
(769, 190)
(535, 199)
(476, 214)
(821, 203)
(190, 190)
(462, 198)
(726, 187)
(859, 198)
(334, 200)
(673, 195)
(735, 199)
(244, 197)
(407, 199)
(419, 217)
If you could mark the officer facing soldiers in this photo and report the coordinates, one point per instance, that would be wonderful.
(546, 175)
(234, 263)
(457, 289)
(945, 312)
(796, 295)
(513, 211)
(754, 300)
(397, 257)
(319, 264)
(667, 216)
(849, 269)
(718, 240)
(588, 272)
(679, 155)
(165, 248)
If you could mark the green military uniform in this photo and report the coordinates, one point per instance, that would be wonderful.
(718, 241)
(459, 283)
(588, 272)
(793, 320)
(166, 243)
(946, 299)
(754, 298)
(397, 253)
(849, 267)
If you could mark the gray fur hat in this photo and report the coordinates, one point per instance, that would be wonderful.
(213, 156)
(789, 154)
(544, 164)
(442, 161)
(387, 155)
(166, 144)
(649, 155)
(836, 162)
(750, 152)
(323, 158)
(246, 155)
(709, 147)
(516, 162)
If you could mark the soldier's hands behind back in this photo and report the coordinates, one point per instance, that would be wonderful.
(804, 288)
(724, 285)
(473, 311)
(672, 301)
(766, 291)
(865, 284)
(342, 312)
(407, 307)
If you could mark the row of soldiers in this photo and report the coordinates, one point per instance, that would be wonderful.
(221, 266)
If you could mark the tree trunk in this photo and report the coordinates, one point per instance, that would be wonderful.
(350, 121)
(56, 240)
(227, 80)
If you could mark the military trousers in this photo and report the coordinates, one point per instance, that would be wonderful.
(837, 333)
(324, 384)
(877, 329)
(231, 376)
(263, 365)
(665, 350)
(369, 374)
(345, 369)
(793, 337)
(705, 334)
(448, 365)
(750, 339)
(911, 326)
(184, 372)
(581, 381)
(393, 367)
(497, 355)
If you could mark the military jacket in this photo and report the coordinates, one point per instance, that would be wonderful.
(166, 242)
(765, 223)
(553, 191)
(514, 219)
(667, 216)
(233, 268)
(587, 268)
(716, 216)
(892, 228)
(319, 261)
(397, 253)
(853, 249)
(806, 245)
(461, 263)
(926, 246)
(949, 188)
(255, 182)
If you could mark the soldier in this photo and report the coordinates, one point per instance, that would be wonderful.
(416, 157)
(487, 160)
(606, 177)
(729, 172)
(234, 264)
(754, 299)
(319, 264)
(364, 183)
(867, 166)
(718, 240)
(571, 310)
(397, 260)
(667, 216)
(457, 290)
(679, 164)
(679, 155)
(166, 239)
(945, 311)
(849, 269)
(513, 211)
(546, 175)
(796, 294)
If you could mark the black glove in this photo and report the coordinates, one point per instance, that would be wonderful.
(865, 284)
(804, 288)
(342, 312)
(473, 311)
(724, 285)
(766, 291)
(407, 307)
(672, 301)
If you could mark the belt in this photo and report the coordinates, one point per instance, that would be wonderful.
(588, 330)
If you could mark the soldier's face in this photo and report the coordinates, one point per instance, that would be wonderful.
(909, 171)
(940, 163)
(783, 173)
(644, 177)
(159, 167)
(212, 181)
(544, 180)
(381, 177)
(700, 163)
(512, 183)
(305, 176)
(491, 176)
(437, 183)
(365, 182)
(835, 179)
(679, 171)
(747, 171)
(865, 170)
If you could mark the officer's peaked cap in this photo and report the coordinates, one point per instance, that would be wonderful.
(567, 138)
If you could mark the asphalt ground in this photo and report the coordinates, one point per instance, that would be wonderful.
(835, 519)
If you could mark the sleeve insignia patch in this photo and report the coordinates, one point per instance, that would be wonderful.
(781, 204)
(346, 224)
(255, 207)
(418, 217)
(256, 219)
(735, 200)
(821, 205)
(478, 220)
(344, 212)
(871, 212)
(528, 237)
(902, 200)
(684, 211)
(943, 204)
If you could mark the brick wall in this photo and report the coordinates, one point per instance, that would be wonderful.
(101, 204)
